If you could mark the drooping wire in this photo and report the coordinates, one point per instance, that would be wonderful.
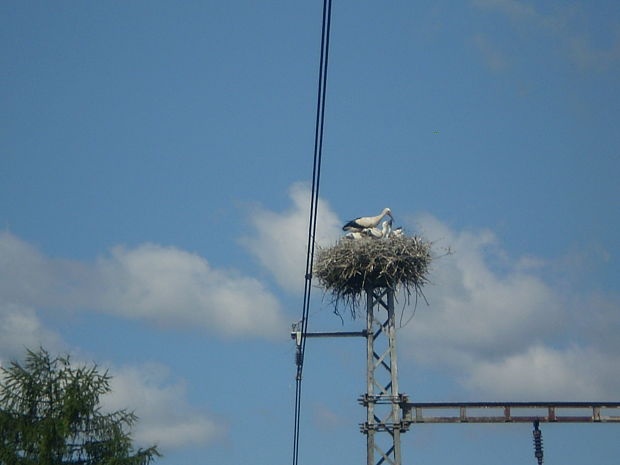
(314, 204)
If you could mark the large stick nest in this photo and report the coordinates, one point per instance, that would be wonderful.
(351, 267)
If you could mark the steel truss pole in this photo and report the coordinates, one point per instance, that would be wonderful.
(391, 413)
(382, 399)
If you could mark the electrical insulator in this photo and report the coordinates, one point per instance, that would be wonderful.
(538, 448)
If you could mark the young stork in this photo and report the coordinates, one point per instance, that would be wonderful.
(355, 235)
(384, 232)
(365, 222)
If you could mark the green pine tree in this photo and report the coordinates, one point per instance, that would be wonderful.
(50, 415)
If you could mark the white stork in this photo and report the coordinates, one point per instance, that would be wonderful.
(386, 227)
(364, 222)
(397, 232)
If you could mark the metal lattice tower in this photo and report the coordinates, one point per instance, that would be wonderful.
(390, 413)
(382, 400)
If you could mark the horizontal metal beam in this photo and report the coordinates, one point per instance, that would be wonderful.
(513, 404)
(331, 334)
(416, 412)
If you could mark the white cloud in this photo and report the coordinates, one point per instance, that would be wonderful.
(25, 280)
(503, 330)
(477, 311)
(20, 328)
(165, 416)
(280, 240)
(544, 373)
(26, 273)
(164, 285)
(173, 287)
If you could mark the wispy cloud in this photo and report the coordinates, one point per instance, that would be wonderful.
(513, 8)
(587, 56)
(326, 419)
(166, 417)
(562, 24)
(280, 238)
(503, 330)
(495, 59)
(162, 285)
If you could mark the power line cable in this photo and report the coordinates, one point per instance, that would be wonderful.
(314, 204)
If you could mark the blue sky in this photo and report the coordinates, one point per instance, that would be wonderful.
(154, 167)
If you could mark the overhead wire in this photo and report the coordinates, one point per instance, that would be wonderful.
(314, 204)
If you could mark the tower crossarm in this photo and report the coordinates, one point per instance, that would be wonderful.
(510, 412)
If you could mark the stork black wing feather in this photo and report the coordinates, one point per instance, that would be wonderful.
(353, 224)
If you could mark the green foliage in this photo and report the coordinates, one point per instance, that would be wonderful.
(50, 415)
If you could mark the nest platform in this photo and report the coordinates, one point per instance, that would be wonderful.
(351, 267)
